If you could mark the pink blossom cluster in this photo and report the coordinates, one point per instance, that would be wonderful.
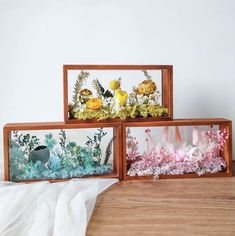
(146, 167)
(181, 159)
(132, 146)
(217, 138)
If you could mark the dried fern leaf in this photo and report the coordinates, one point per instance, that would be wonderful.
(108, 151)
(80, 81)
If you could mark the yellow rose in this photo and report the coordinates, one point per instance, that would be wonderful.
(114, 84)
(94, 103)
(146, 87)
(122, 97)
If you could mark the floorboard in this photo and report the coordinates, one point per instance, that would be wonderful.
(181, 207)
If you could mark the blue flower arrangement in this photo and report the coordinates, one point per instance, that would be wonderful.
(58, 158)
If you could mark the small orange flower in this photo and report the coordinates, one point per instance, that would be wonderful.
(94, 103)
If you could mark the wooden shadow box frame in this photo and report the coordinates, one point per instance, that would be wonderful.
(227, 153)
(166, 81)
(117, 172)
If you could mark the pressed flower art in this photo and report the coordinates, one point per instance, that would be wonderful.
(60, 154)
(90, 99)
(175, 150)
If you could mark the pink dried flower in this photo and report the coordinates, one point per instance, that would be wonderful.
(217, 139)
(132, 146)
(176, 161)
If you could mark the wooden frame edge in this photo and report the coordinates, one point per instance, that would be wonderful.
(114, 67)
(65, 93)
(6, 154)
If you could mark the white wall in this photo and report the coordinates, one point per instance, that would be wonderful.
(38, 36)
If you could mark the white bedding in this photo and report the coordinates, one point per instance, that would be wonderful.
(44, 209)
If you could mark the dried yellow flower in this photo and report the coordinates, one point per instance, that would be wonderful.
(146, 87)
(94, 104)
(122, 97)
(114, 84)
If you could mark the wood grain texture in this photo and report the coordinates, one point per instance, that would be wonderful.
(118, 120)
(117, 67)
(166, 207)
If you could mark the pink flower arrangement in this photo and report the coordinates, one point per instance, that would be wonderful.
(201, 157)
(217, 138)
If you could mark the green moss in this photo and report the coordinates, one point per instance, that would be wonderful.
(131, 111)
(93, 114)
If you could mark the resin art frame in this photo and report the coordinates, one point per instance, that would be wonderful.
(179, 148)
(95, 93)
(55, 151)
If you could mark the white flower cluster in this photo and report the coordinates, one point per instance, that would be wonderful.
(152, 99)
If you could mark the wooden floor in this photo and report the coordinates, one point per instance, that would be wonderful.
(166, 207)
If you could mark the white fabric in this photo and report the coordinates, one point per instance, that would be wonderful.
(44, 209)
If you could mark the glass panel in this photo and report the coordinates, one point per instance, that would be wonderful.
(59, 154)
(102, 94)
(175, 150)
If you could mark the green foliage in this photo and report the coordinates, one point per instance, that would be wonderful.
(72, 148)
(69, 163)
(15, 150)
(94, 145)
(50, 141)
(71, 111)
(132, 97)
(98, 87)
(147, 75)
(62, 138)
(34, 170)
(27, 141)
(88, 114)
(146, 110)
(80, 81)
(54, 163)
(101, 92)
(85, 155)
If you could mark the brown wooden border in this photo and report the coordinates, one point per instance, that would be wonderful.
(167, 89)
(117, 129)
(223, 123)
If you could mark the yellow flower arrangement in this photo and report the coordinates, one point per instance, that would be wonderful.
(146, 87)
(116, 103)
(94, 104)
(122, 97)
(114, 84)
